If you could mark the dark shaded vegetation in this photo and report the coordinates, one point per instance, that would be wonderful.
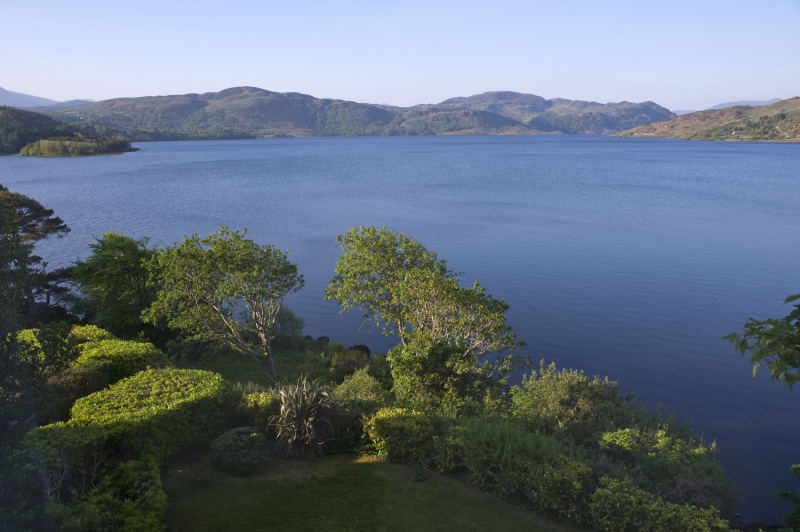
(246, 112)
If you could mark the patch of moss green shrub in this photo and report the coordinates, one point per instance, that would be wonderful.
(240, 451)
(123, 358)
(620, 505)
(158, 412)
(402, 435)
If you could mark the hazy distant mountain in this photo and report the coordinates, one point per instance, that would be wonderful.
(747, 103)
(252, 112)
(17, 99)
(779, 121)
(731, 104)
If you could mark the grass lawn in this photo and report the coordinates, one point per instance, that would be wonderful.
(337, 492)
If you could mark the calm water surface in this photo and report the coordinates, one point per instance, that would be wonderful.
(626, 258)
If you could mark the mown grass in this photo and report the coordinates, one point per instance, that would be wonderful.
(337, 492)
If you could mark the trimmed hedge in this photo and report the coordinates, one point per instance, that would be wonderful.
(83, 334)
(122, 358)
(158, 412)
(402, 435)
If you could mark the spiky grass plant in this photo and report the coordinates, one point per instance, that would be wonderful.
(303, 409)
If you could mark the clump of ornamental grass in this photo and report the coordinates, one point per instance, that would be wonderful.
(303, 411)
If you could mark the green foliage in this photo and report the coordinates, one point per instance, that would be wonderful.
(19, 127)
(402, 435)
(621, 506)
(679, 469)
(493, 450)
(46, 351)
(130, 497)
(774, 343)
(83, 334)
(122, 358)
(793, 518)
(345, 362)
(114, 278)
(450, 337)
(303, 411)
(569, 404)
(224, 287)
(240, 451)
(370, 271)
(257, 406)
(78, 145)
(288, 324)
(363, 390)
(157, 412)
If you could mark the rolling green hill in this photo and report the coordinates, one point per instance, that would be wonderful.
(246, 112)
(779, 121)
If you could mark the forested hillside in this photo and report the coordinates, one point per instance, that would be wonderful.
(29, 133)
(777, 122)
(246, 112)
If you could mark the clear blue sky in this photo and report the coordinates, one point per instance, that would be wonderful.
(680, 54)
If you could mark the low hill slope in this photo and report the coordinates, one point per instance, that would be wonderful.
(244, 112)
(779, 121)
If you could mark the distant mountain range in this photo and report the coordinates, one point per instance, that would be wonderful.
(17, 99)
(732, 104)
(779, 121)
(243, 112)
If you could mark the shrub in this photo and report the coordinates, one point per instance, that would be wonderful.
(303, 409)
(158, 412)
(256, 407)
(568, 403)
(83, 334)
(402, 435)
(680, 468)
(492, 450)
(124, 357)
(354, 401)
(64, 388)
(129, 498)
(345, 362)
(560, 485)
(619, 505)
(239, 451)
(361, 390)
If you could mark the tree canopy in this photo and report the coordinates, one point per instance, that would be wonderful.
(115, 279)
(224, 287)
(774, 343)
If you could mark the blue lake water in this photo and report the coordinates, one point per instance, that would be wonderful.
(619, 257)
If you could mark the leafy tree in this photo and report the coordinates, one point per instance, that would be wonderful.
(774, 343)
(224, 287)
(448, 334)
(30, 222)
(115, 279)
(370, 271)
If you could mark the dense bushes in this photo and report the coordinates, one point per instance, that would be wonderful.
(568, 404)
(620, 505)
(239, 451)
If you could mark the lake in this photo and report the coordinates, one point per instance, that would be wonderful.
(630, 258)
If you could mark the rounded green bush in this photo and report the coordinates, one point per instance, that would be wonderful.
(126, 357)
(239, 451)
